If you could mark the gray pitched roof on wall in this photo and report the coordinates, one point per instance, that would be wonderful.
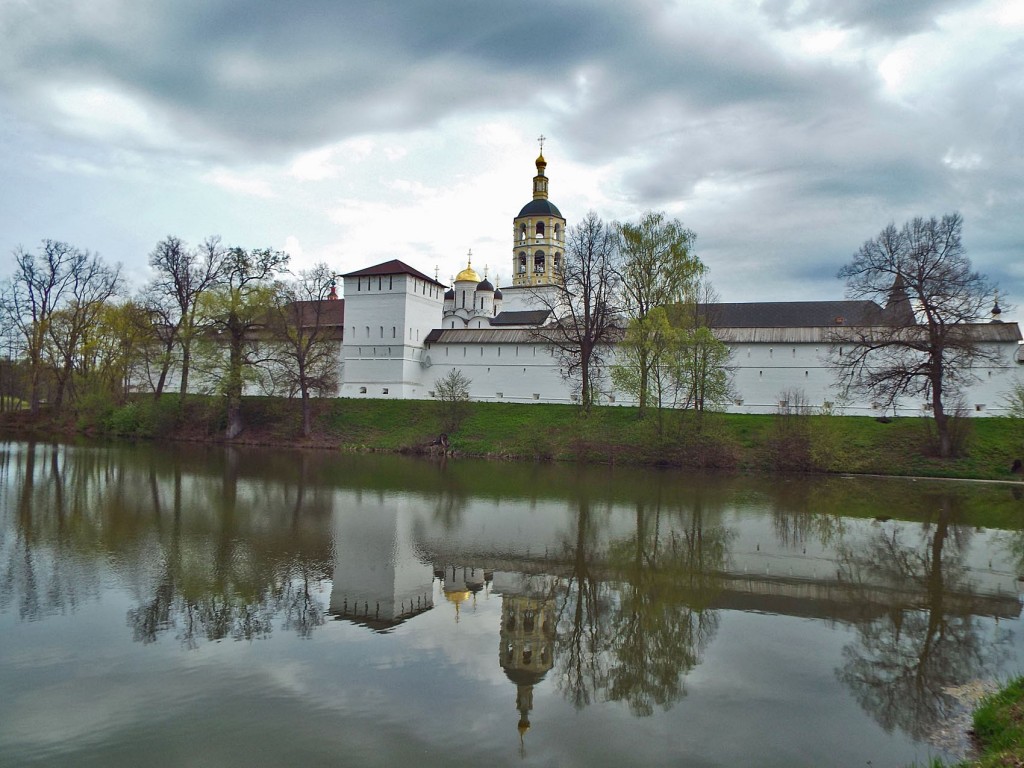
(523, 317)
(790, 314)
(482, 336)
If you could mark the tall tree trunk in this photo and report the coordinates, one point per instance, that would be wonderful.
(234, 388)
(186, 359)
(307, 416)
(941, 419)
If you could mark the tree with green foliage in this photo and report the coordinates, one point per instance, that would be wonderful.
(671, 358)
(114, 350)
(657, 268)
(702, 373)
(235, 312)
(647, 361)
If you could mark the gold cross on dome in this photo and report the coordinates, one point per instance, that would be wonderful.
(541, 139)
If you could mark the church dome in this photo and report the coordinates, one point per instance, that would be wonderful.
(497, 294)
(485, 285)
(540, 207)
(468, 274)
(449, 295)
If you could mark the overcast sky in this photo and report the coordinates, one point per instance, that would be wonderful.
(783, 132)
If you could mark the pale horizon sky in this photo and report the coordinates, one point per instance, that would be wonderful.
(783, 132)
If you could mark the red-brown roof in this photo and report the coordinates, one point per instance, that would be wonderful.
(332, 312)
(393, 267)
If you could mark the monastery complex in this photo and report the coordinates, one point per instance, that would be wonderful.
(403, 331)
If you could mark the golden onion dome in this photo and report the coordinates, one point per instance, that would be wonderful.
(467, 274)
(458, 596)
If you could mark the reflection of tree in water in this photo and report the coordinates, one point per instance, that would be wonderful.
(205, 563)
(633, 635)
(240, 612)
(225, 585)
(42, 563)
(805, 511)
(583, 611)
(904, 662)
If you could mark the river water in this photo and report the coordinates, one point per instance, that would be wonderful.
(210, 606)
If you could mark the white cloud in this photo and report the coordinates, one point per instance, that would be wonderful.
(243, 183)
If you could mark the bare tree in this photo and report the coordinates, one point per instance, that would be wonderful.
(31, 296)
(49, 303)
(182, 276)
(585, 305)
(452, 391)
(306, 337)
(926, 340)
(236, 311)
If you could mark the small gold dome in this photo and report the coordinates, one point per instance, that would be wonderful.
(458, 596)
(468, 274)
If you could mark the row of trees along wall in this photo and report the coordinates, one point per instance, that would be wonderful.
(214, 317)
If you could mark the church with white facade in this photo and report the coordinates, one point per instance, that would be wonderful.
(403, 331)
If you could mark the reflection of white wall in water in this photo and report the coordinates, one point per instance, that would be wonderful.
(377, 573)
(756, 551)
(382, 541)
(519, 527)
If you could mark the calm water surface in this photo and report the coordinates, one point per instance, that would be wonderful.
(198, 606)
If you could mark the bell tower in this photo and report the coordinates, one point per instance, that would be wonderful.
(538, 234)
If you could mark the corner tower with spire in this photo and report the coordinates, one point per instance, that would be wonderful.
(538, 235)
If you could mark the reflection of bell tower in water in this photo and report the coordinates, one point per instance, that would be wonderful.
(527, 636)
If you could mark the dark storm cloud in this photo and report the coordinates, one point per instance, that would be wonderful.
(287, 75)
(888, 18)
(814, 155)
(280, 77)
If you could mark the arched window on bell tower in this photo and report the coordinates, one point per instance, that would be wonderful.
(540, 230)
(538, 262)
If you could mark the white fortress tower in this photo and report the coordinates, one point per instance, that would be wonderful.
(389, 310)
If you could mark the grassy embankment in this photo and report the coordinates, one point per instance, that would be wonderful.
(556, 432)
(999, 729)
(999, 726)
